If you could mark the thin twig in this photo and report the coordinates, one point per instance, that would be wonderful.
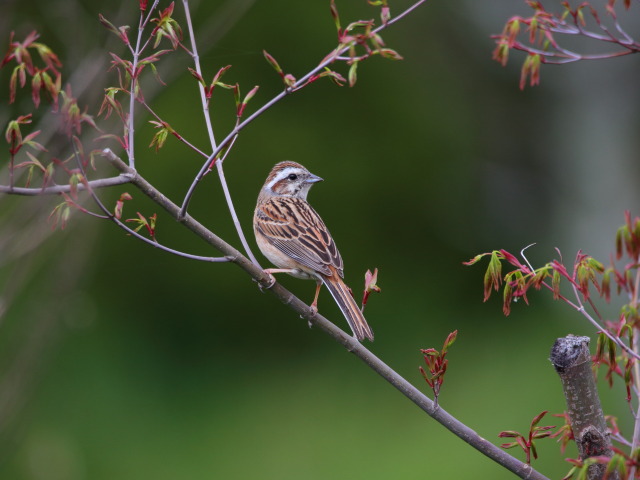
(146, 21)
(207, 118)
(57, 189)
(196, 62)
(563, 56)
(580, 308)
(134, 80)
(232, 210)
(234, 133)
(302, 81)
(108, 215)
(627, 38)
(176, 134)
(132, 97)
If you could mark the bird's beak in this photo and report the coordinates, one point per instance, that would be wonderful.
(313, 178)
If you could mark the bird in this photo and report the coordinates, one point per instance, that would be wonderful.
(291, 234)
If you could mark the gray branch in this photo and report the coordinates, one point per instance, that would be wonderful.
(57, 189)
(458, 428)
(572, 361)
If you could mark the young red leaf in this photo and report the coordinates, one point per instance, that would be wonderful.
(251, 94)
(160, 137)
(509, 257)
(353, 74)
(335, 16)
(108, 25)
(196, 75)
(36, 85)
(507, 298)
(236, 94)
(385, 14)
(247, 97)
(555, 284)
(538, 417)
(272, 61)
(29, 140)
(370, 281)
(120, 204)
(289, 80)
(449, 341)
(475, 259)
(493, 275)
(59, 216)
(334, 76)
(390, 54)
(509, 434)
(17, 74)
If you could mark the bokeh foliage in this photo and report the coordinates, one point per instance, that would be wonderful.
(158, 367)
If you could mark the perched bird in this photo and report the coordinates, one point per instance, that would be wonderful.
(294, 238)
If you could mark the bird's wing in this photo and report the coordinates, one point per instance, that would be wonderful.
(293, 227)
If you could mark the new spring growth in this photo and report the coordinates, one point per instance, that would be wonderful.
(437, 365)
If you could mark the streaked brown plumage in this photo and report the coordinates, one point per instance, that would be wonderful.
(293, 237)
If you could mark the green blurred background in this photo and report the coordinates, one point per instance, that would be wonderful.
(121, 362)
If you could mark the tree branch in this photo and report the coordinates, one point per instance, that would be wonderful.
(57, 189)
(134, 81)
(514, 465)
(572, 361)
(212, 140)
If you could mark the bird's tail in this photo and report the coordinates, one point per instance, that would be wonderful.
(341, 294)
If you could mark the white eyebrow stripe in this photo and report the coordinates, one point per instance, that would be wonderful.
(282, 174)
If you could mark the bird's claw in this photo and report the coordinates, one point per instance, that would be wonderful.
(314, 311)
(272, 282)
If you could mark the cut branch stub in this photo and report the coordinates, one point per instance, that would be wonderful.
(571, 358)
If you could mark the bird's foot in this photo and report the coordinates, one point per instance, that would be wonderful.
(313, 309)
(272, 281)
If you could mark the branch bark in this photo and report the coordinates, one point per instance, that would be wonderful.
(571, 358)
(452, 424)
(57, 189)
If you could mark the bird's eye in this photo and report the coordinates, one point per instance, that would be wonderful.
(293, 176)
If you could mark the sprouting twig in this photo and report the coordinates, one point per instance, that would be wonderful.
(232, 210)
(134, 80)
(212, 140)
(302, 81)
(583, 311)
(196, 62)
(130, 176)
(175, 134)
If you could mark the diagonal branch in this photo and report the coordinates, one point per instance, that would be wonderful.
(458, 428)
